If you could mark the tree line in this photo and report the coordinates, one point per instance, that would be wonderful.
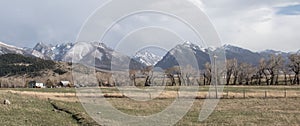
(272, 71)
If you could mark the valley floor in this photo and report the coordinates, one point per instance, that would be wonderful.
(62, 107)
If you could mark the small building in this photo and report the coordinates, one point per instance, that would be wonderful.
(34, 84)
(39, 85)
(65, 83)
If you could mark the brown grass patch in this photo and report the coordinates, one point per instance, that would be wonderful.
(69, 97)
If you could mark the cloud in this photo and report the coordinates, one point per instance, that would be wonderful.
(255, 24)
(24, 23)
(252, 24)
(150, 20)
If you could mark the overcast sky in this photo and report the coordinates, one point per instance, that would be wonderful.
(253, 24)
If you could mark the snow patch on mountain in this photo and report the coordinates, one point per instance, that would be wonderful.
(56, 53)
(10, 46)
(191, 45)
(78, 51)
(272, 52)
(5, 48)
(38, 54)
(234, 49)
(147, 58)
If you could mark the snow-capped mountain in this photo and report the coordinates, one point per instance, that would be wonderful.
(266, 54)
(298, 52)
(269, 51)
(83, 50)
(5, 49)
(202, 56)
(193, 46)
(41, 50)
(147, 58)
(187, 50)
(99, 55)
(56, 53)
(187, 53)
(242, 55)
(93, 54)
(59, 51)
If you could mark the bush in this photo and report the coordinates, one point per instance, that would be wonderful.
(60, 71)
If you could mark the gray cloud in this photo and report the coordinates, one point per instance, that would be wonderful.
(24, 23)
(254, 24)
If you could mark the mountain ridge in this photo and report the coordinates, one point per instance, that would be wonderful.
(107, 57)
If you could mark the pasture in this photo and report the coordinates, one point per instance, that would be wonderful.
(62, 107)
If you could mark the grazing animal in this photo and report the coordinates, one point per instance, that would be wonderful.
(6, 102)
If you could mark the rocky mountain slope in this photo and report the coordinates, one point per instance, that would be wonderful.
(102, 57)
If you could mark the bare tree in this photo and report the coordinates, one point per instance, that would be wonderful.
(261, 70)
(207, 74)
(273, 67)
(280, 70)
(177, 71)
(253, 77)
(285, 72)
(241, 73)
(187, 74)
(295, 67)
(236, 74)
(148, 72)
(132, 76)
(231, 66)
(170, 74)
(246, 72)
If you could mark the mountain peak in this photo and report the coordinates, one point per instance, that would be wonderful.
(56, 52)
(187, 43)
(229, 46)
(235, 49)
(270, 51)
(190, 45)
(147, 57)
(41, 44)
(10, 46)
(5, 49)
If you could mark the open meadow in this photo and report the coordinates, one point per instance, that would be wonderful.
(240, 105)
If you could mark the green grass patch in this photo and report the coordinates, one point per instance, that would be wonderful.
(26, 110)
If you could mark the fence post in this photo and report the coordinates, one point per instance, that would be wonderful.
(285, 91)
(265, 93)
(227, 94)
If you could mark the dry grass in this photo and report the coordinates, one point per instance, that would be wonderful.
(68, 97)
(266, 112)
(255, 109)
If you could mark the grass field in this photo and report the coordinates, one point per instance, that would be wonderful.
(26, 110)
(36, 109)
(53, 90)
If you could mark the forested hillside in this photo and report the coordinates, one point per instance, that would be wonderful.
(15, 64)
